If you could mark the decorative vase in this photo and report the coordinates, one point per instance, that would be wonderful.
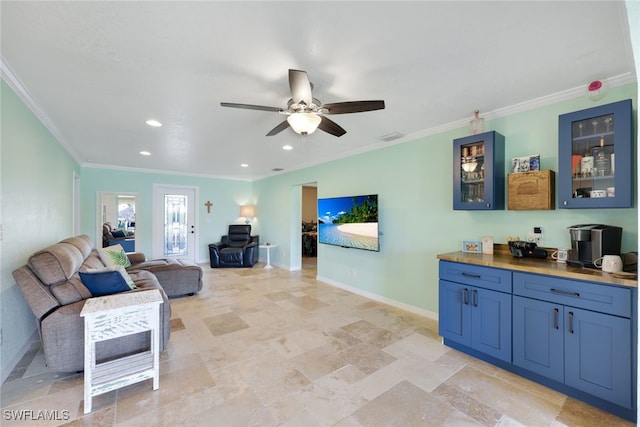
(477, 124)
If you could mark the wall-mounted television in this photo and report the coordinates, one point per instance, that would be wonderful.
(350, 222)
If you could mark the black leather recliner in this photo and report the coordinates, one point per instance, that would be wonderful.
(237, 249)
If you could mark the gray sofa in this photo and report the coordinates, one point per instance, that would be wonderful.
(51, 285)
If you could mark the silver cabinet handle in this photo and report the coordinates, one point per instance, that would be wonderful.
(571, 322)
(567, 293)
(474, 299)
(472, 276)
(555, 318)
(465, 296)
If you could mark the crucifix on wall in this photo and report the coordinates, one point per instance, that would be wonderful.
(208, 205)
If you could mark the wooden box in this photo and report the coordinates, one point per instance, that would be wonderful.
(531, 190)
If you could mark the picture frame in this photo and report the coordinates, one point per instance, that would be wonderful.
(525, 163)
(472, 246)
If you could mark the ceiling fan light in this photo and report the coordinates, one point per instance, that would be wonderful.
(304, 123)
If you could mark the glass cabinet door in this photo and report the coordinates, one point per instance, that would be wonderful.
(478, 165)
(595, 157)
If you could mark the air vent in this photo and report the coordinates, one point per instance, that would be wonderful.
(391, 136)
(277, 169)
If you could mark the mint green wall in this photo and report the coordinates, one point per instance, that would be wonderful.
(414, 184)
(225, 195)
(413, 180)
(37, 210)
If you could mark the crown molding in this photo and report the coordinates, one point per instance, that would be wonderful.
(543, 101)
(19, 88)
(162, 172)
(14, 82)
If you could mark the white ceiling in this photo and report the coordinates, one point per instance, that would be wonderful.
(95, 71)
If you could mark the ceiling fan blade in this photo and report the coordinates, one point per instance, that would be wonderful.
(282, 126)
(250, 107)
(331, 127)
(353, 107)
(300, 87)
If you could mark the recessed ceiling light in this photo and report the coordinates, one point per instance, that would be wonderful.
(244, 165)
(145, 153)
(391, 136)
(153, 123)
(287, 147)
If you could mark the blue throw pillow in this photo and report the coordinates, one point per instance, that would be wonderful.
(105, 282)
(118, 233)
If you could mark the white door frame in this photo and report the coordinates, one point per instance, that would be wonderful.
(157, 238)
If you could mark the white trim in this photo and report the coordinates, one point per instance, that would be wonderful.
(160, 171)
(76, 203)
(20, 89)
(401, 305)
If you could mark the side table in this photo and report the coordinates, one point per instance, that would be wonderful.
(268, 248)
(115, 316)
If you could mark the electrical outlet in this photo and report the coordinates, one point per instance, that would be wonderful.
(354, 273)
(536, 237)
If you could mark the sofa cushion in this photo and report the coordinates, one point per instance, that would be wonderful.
(113, 256)
(83, 243)
(105, 282)
(73, 290)
(56, 264)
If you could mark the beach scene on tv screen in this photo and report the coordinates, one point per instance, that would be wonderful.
(349, 221)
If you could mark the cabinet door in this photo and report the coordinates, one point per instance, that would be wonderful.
(598, 355)
(538, 337)
(478, 172)
(491, 323)
(595, 157)
(455, 312)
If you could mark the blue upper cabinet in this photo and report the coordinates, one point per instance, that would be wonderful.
(595, 157)
(478, 172)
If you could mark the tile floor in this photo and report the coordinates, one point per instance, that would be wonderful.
(276, 348)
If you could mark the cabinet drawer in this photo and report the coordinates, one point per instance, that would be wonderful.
(483, 277)
(588, 295)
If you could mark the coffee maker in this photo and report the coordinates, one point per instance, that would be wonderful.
(592, 241)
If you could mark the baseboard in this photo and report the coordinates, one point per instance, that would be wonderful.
(11, 365)
(401, 305)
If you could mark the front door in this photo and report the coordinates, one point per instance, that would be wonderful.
(174, 222)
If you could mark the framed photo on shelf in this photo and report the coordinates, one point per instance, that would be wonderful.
(473, 246)
(525, 164)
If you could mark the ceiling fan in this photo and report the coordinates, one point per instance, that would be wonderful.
(305, 113)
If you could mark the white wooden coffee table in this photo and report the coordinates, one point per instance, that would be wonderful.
(115, 316)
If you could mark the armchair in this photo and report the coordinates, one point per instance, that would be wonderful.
(237, 249)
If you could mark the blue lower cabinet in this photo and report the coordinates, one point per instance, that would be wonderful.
(598, 355)
(477, 318)
(538, 341)
(455, 312)
(583, 349)
(578, 337)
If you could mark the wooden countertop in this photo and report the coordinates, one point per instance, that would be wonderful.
(504, 259)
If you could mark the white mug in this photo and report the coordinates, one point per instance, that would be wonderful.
(560, 255)
(609, 263)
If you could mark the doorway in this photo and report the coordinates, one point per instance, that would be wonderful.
(116, 212)
(309, 230)
(174, 222)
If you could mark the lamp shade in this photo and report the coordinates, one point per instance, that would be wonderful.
(247, 211)
(304, 123)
